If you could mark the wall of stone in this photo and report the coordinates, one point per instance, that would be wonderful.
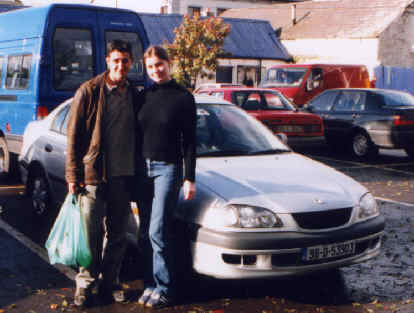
(396, 43)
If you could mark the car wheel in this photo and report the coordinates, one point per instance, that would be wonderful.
(4, 159)
(410, 152)
(362, 146)
(39, 192)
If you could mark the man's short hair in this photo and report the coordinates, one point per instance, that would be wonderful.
(119, 45)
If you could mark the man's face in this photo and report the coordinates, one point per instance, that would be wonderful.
(118, 64)
(158, 69)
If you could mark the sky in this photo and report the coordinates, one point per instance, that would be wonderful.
(152, 6)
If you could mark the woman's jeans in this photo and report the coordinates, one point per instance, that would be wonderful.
(157, 212)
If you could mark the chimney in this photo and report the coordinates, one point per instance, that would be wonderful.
(293, 15)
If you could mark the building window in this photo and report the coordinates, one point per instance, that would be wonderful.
(224, 74)
(18, 71)
(220, 10)
(248, 75)
(194, 10)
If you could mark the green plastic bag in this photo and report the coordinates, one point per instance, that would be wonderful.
(67, 243)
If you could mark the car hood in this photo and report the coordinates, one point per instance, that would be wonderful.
(284, 183)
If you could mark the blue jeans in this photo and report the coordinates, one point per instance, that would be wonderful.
(156, 216)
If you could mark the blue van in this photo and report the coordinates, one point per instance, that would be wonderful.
(46, 53)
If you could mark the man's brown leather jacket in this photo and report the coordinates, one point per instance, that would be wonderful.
(84, 158)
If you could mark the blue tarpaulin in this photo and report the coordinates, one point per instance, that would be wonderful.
(394, 78)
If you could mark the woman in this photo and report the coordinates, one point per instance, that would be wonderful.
(167, 120)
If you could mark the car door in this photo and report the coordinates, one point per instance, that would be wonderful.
(347, 113)
(53, 145)
(322, 105)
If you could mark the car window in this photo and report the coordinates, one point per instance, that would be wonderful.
(350, 101)
(323, 102)
(229, 130)
(344, 102)
(60, 121)
(218, 94)
(396, 98)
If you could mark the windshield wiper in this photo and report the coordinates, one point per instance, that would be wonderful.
(270, 151)
(223, 153)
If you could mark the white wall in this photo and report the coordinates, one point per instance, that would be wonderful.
(346, 51)
(180, 6)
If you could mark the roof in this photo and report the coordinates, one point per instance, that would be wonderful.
(328, 19)
(9, 7)
(247, 39)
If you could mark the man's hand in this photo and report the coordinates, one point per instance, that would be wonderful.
(189, 190)
(75, 188)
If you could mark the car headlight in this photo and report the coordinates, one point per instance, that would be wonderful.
(241, 216)
(368, 207)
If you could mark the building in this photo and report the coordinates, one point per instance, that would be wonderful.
(374, 32)
(252, 45)
(212, 7)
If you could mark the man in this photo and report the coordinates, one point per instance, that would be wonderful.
(99, 165)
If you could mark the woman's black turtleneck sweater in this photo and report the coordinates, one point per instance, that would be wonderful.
(168, 123)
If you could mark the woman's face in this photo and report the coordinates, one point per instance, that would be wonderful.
(158, 69)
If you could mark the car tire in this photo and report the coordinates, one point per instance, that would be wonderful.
(4, 159)
(362, 146)
(410, 152)
(39, 192)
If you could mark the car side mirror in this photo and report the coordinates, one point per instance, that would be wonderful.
(282, 137)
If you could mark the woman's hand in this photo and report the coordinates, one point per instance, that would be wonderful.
(189, 190)
(75, 188)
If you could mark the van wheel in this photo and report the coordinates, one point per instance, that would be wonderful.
(4, 159)
(39, 192)
(362, 147)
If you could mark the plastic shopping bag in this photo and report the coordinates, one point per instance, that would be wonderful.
(67, 243)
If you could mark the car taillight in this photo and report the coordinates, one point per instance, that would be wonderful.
(42, 112)
(400, 120)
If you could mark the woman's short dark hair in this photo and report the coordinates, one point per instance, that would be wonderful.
(156, 51)
(119, 45)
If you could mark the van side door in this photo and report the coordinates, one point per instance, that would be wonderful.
(70, 53)
(126, 26)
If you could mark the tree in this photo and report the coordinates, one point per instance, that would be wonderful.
(198, 43)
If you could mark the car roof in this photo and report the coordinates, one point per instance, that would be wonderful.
(206, 99)
(237, 89)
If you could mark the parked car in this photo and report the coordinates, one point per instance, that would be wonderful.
(207, 86)
(260, 210)
(302, 82)
(366, 119)
(274, 110)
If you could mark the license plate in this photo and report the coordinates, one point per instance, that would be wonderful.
(329, 251)
(290, 129)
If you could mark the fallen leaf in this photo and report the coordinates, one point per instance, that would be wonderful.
(64, 303)
(12, 306)
(125, 286)
(54, 306)
(356, 304)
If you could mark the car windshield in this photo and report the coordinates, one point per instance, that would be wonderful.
(252, 100)
(225, 130)
(285, 77)
(397, 98)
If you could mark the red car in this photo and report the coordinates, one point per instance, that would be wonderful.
(274, 110)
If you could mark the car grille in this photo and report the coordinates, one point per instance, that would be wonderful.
(323, 219)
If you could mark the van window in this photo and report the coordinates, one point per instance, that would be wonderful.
(72, 58)
(285, 77)
(137, 70)
(18, 71)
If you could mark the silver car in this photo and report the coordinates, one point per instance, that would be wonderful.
(261, 210)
